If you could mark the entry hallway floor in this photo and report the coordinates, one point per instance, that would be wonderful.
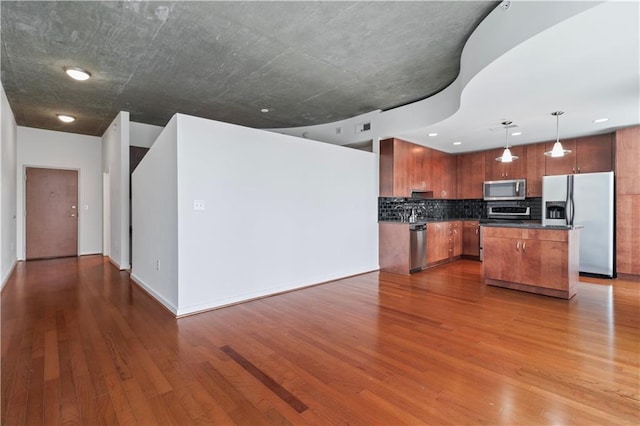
(82, 344)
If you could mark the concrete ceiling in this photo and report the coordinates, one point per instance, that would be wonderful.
(307, 62)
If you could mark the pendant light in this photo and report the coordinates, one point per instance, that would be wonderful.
(506, 156)
(558, 150)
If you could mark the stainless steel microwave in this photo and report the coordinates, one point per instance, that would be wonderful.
(515, 189)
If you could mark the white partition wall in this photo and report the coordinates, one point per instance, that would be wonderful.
(115, 162)
(257, 213)
(8, 188)
(155, 219)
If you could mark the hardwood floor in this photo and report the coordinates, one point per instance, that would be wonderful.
(81, 344)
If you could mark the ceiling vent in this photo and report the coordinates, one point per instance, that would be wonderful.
(363, 127)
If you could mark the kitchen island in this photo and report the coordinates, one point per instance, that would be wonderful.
(533, 258)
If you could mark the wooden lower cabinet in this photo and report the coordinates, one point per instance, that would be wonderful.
(543, 261)
(437, 242)
(454, 231)
(471, 238)
(444, 241)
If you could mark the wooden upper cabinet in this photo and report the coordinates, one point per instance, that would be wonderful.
(496, 170)
(535, 160)
(594, 154)
(470, 175)
(443, 174)
(420, 168)
(628, 161)
(589, 154)
(561, 165)
(396, 168)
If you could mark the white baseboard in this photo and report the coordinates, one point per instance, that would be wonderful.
(8, 274)
(117, 265)
(268, 292)
(164, 302)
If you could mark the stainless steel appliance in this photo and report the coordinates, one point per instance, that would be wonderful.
(509, 212)
(418, 247)
(514, 189)
(506, 212)
(587, 200)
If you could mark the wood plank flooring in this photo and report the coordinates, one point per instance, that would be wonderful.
(81, 344)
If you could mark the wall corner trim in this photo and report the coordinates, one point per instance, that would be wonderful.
(154, 294)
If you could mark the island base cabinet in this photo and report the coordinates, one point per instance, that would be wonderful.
(534, 260)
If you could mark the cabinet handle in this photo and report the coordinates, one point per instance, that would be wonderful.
(578, 169)
(517, 245)
(476, 231)
(573, 170)
(524, 246)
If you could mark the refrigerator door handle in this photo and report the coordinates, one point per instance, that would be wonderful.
(573, 204)
(566, 201)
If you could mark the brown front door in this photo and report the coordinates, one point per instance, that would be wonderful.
(52, 213)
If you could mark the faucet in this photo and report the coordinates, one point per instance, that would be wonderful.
(413, 217)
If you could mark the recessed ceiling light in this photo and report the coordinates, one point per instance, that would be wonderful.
(66, 118)
(600, 120)
(264, 110)
(77, 73)
(516, 133)
(433, 134)
(457, 143)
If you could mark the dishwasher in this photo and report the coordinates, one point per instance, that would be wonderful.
(418, 247)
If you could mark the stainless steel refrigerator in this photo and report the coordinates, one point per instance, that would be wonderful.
(587, 200)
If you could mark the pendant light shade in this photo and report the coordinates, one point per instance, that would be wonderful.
(506, 156)
(558, 150)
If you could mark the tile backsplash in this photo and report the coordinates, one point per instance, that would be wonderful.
(399, 209)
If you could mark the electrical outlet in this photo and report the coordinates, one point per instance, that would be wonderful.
(157, 265)
(198, 204)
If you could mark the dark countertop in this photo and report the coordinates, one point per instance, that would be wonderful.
(533, 226)
(430, 220)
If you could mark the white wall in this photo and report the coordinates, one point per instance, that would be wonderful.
(143, 135)
(51, 149)
(8, 196)
(155, 220)
(115, 150)
(280, 213)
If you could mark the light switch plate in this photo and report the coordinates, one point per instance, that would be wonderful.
(198, 204)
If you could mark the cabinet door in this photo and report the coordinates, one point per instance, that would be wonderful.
(594, 154)
(457, 241)
(628, 234)
(454, 237)
(492, 168)
(470, 175)
(471, 239)
(517, 168)
(437, 242)
(443, 174)
(627, 160)
(535, 169)
(496, 170)
(544, 264)
(501, 258)
(561, 165)
(420, 168)
(398, 163)
(402, 168)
